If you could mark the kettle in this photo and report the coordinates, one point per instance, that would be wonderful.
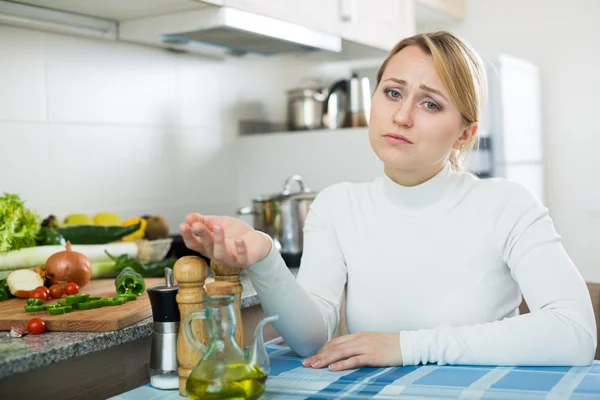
(355, 109)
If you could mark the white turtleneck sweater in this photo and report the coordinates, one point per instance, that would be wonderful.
(444, 264)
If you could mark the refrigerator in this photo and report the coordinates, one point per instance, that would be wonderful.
(510, 144)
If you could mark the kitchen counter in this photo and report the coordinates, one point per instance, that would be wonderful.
(30, 352)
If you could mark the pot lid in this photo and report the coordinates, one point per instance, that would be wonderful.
(303, 194)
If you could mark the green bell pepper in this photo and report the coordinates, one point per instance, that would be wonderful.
(48, 237)
(5, 293)
(129, 281)
(77, 298)
(60, 310)
(35, 308)
(35, 302)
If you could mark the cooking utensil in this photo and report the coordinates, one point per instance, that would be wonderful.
(282, 215)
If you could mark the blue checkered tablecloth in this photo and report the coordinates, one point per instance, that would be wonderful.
(289, 380)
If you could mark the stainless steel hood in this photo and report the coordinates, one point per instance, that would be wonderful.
(243, 32)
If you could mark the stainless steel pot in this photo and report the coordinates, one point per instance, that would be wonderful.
(282, 215)
(305, 108)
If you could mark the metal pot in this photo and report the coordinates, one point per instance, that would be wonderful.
(282, 216)
(305, 108)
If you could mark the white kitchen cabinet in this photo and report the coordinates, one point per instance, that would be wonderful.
(316, 14)
(120, 10)
(377, 23)
(428, 11)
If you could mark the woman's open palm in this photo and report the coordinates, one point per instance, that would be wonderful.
(225, 240)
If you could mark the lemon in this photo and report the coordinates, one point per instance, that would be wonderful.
(106, 218)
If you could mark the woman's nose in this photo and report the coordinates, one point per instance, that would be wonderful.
(403, 115)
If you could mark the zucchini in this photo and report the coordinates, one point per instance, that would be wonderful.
(96, 234)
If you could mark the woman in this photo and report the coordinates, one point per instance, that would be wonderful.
(434, 259)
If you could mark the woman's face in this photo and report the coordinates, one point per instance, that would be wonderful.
(414, 124)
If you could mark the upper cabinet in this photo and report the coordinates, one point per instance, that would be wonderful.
(321, 15)
(435, 11)
(377, 23)
(365, 28)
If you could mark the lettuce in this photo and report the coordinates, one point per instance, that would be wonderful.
(18, 225)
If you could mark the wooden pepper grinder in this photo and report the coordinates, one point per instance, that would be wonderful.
(190, 272)
(224, 273)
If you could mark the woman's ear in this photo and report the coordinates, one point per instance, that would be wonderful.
(467, 136)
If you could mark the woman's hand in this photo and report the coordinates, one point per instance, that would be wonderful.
(362, 349)
(225, 240)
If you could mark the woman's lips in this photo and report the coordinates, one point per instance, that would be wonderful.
(394, 138)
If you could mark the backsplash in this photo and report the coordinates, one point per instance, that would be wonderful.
(91, 125)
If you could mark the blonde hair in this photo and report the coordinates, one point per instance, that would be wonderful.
(462, 72)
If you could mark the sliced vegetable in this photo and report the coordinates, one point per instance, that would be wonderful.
(71, 288)
(96, 234)
(88, 305)
(113, 301)
(35, 308)
(22, 281)
(34, 256)
(68, 266)
(92, 298)
(56, 291)
(129, 281)
(34, 302)
(36, 326)
(62, 302)
(77, 298)
(127, 296)
(60, 310)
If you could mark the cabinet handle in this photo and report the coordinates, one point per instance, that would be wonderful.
(348, 10)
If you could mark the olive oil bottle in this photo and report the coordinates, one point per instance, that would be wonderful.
(225, 371)
(239, 381)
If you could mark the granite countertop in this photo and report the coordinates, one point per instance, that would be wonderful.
(35, 351)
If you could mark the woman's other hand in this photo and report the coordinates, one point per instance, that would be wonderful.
(225, 240)
(362, 349)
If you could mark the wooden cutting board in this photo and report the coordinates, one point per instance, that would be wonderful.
(110, 318)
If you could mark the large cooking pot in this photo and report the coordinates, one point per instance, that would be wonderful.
(281, 216)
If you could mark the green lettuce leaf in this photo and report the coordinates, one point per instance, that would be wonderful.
(18, 225)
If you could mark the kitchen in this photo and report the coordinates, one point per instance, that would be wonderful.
(173, 119)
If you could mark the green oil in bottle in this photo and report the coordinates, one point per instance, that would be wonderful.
(236, 381)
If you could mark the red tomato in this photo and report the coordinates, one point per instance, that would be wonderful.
(44, 289)
(56, 291)
(35, 326)
(38, 294)
(71, 288)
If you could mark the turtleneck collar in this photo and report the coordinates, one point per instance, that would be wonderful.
(432, 193)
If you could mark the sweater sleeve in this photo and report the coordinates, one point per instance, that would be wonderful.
(560, 330)
(308, 307)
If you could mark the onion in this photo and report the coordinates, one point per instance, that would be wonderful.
(68, 266)
(22, 281)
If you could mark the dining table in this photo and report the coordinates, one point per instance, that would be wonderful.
(288, 379)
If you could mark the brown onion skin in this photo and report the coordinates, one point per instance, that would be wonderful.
(68, 266)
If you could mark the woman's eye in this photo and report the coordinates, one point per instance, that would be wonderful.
(394, 94)
(431, 106)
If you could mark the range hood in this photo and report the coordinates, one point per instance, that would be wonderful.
(230, 30)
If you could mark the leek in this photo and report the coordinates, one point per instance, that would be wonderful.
(31, 257)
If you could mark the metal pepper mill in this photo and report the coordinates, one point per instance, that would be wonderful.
(165, 312)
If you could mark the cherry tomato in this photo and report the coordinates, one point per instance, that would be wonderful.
(38, 294)
(44, 289)
(56, 291)
(35, 326)
(71, 288)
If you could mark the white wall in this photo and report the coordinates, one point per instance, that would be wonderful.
(561, 37)
(90, 125)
